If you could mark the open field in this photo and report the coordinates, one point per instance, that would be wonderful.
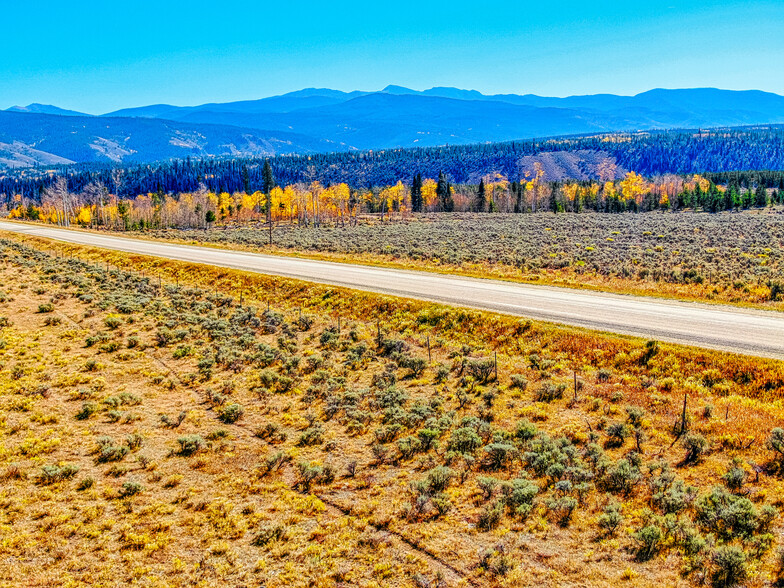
(156, 430)
(727, 257)
(753, 332)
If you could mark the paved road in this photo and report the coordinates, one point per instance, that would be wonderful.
(750, 332)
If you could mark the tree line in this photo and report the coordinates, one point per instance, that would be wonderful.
(710, 153)
(313, 204)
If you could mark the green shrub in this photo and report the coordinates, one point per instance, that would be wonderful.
(182, 351)
(108, 452)
(88, 409)
(438, 479)
(519, 496)
(695, 445)
(313, 435)
(562, 508)
(498, 455)
(85, 484)
(622, 477)
(728, 566)
(190, 444)
(408, 446)
(130, 488)
(776, 443)
(616, 434)
(231, 413)
(464, 440)
(648, 540)
(51, 474)
(46, 307)
(735, 477)
(610, 519)
(525, 430)
(112, 322)
(487, 486)
(728, 515)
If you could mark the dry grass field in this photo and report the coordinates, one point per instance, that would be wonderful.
(729, 258)
(167, 424)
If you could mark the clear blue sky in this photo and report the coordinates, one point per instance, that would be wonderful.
(100, 56)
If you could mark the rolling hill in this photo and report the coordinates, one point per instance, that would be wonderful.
(318, 119)
(43, 139)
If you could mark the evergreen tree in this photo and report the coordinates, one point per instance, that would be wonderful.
(267, 178)
(760, 196)
(245, 179)
(417, 203)
(480, 204)
(444, 194)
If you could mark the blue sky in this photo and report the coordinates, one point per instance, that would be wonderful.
(100, 56)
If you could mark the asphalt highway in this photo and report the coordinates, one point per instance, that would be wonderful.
(750, 332)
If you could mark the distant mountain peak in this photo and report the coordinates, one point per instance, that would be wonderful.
(393, 89)
(36, 108)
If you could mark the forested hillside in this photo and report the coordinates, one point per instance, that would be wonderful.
(598, 157)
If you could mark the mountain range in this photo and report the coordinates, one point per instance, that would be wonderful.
(318, 120)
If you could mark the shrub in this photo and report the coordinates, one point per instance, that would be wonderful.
(85, 484)
(87, 410)
(134, 441)
(727, 515)
(562, 508)
(610, 519)
(634, 415)
(480, 369)
(490, 517)
(487, 485)
(108, 452)
(695, 445)
(623, 477)
(674, 498)
(428, 438)
(408, 446)
(51, 474)
(268, 534)
(519, 381)
(776, 443)
(735, 477)
(464, 440)
(313, 435)
(112, 322)
(47, 307)
(176, 422)
(548, 392)
(415, 366)
(190, 444)
(729, 566)
(438, 479)
(182, 351)
(442, 373)
(231, 413)
(617, 433)
(307, 475)
(441, 503)
(497, 455)
(130, 488)
(648, 540)
(525, 430)
(519, 495)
